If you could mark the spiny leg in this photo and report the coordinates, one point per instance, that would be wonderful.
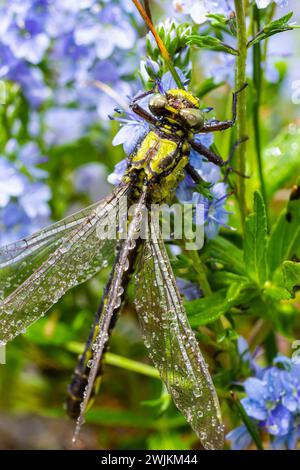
(216, 159)
(223, 125)
(143, 95)
(229, 169)
(193, 173)
(137, 109)
(207, 153)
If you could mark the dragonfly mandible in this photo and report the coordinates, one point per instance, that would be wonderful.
(37, 271)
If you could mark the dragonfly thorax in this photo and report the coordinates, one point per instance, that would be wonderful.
(160, 159)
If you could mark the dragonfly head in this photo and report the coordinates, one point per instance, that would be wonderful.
(178, 107)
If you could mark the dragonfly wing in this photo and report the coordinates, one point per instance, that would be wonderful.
(112, 301)
(72, 258)
(172, 344)
(13, 252)
(20, 259)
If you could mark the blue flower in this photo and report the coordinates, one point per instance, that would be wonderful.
(247, 358)
(35, 201)
(116, 176)
(90, 178)
(131, 133)
(12, 182)
(190, 290)
(198, 11)
(64, 125)
(107, 30)
(24, 204)
(239, 437)
(28, 155)
(167, 81)
(215, 214)
(266, 3)
(273, 402)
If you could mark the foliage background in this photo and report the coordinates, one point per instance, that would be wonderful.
(132, 410)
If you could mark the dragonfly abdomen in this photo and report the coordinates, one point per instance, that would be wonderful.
(81, 373)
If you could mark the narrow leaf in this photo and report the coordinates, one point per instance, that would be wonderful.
(281, 160)
(278, 26)
(284, 243)
(224, 252)
(255, 243)
(210, 42)
(208, 309)
(291, 275)
(250, 425)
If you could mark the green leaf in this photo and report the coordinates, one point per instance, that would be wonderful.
(210, 42)
(226, 278)
(217, 18)
(224, 252)
(206, 86)
(203, 187)
(222, 23)
(275, 27)
(275, 293)
(113, 417)
(284, 243)
(291, 275)
(209, 309)
(281, 160)
(255, 243)
(166, 440)
(206, 310)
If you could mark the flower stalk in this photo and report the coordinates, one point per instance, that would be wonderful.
(240, 80)
(257, 84)
(163, 50)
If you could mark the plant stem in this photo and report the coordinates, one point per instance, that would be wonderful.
(118, 361)
(257, 82)
(129, 364)
(165, 54)
(203, 283)
(200, 270)
(240, 79)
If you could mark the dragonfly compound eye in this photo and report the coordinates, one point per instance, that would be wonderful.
(192, 118)
(157, 104)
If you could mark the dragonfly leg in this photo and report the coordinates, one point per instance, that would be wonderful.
(223, 125)
(137, 109)
(193, 173)
(230, 169)
(216, 159)
(208, 154)
(143, 95)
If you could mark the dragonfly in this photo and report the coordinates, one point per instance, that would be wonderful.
(37, 271)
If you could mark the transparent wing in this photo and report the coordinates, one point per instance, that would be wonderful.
(19, 260)
(113, 298)
(172, 344)
(74, 257)
(12, 253)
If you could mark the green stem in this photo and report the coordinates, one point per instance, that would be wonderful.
(240, 79)
(257, 85)
(201, 273)
(203, 283)
(118, 361)
(129, 364)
